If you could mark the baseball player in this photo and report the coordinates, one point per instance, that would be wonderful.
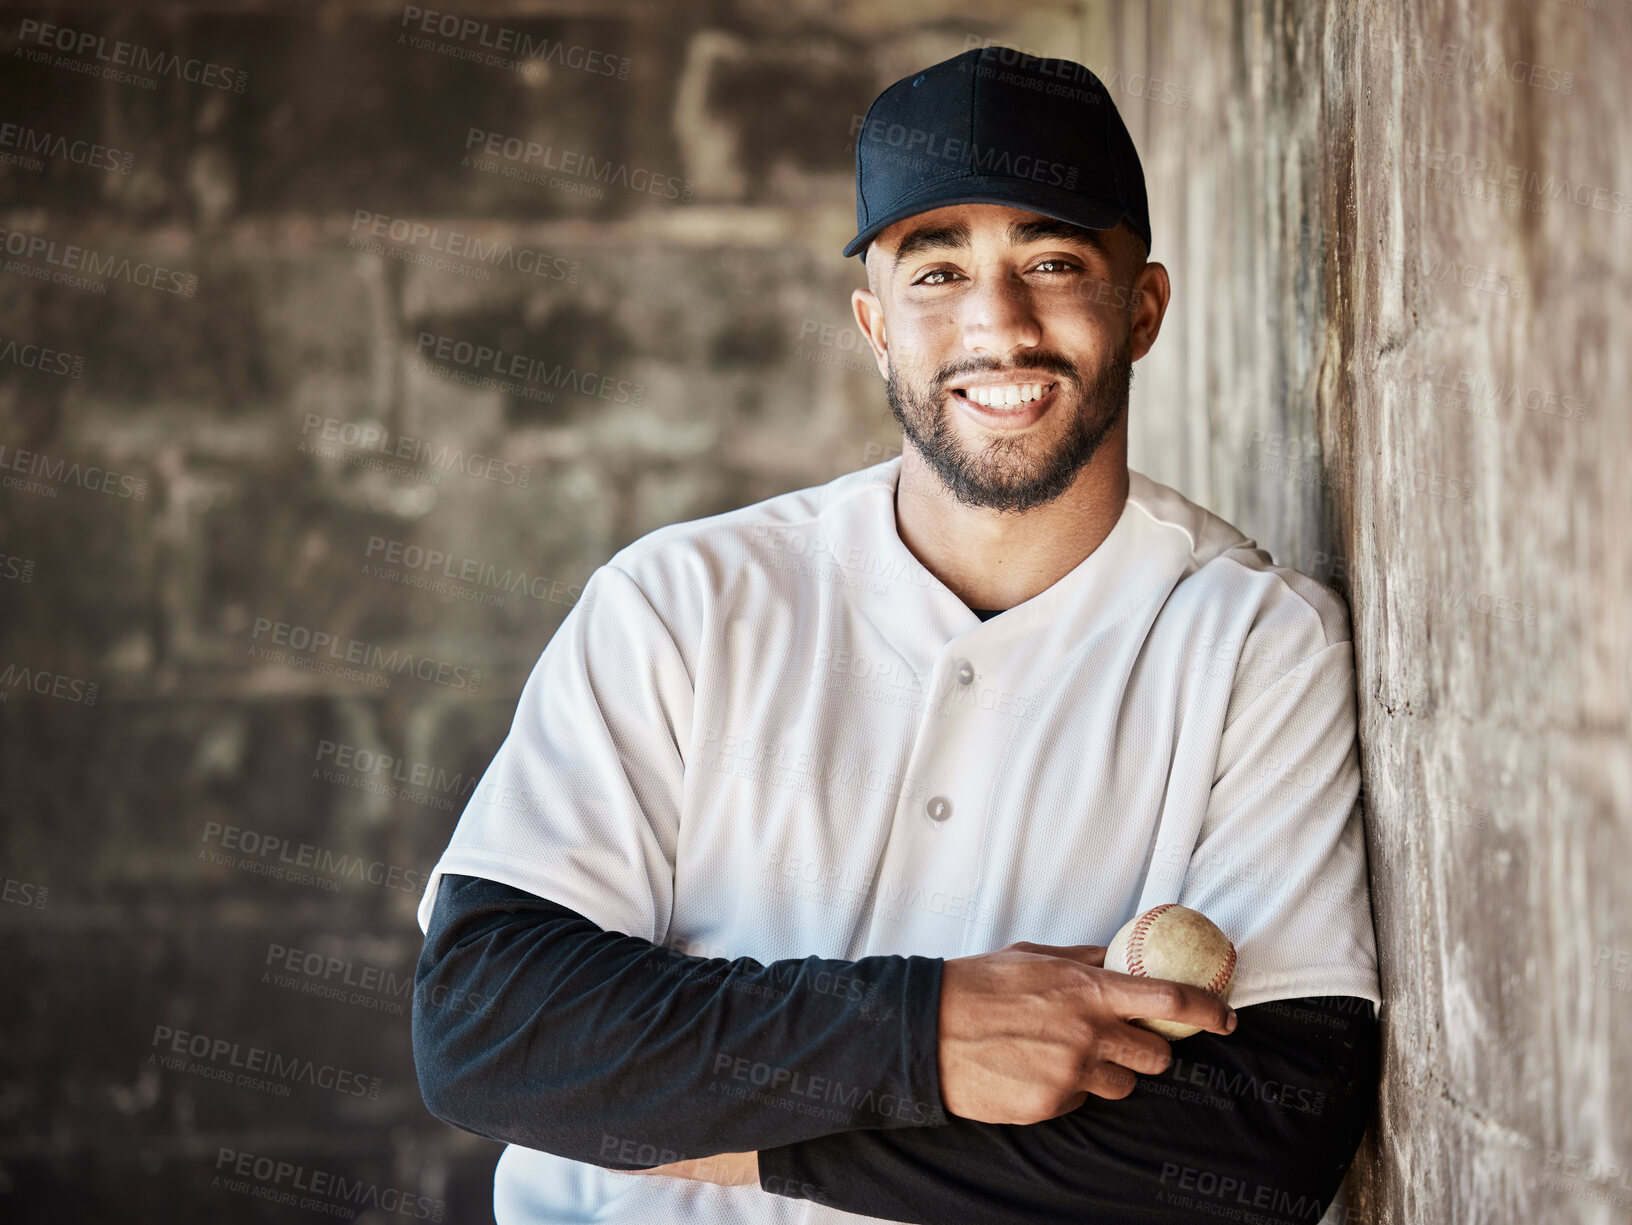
(785, 898)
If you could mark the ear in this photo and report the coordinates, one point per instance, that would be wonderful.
(869, 312)
(1151, 291)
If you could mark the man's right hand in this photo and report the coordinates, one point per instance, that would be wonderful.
(1029, 1031)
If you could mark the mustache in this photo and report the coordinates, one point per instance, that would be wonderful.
(1053, 363)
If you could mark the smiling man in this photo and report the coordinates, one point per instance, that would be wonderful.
(1014, 341)
(785, 898)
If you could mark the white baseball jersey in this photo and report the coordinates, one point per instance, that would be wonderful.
(772, 732)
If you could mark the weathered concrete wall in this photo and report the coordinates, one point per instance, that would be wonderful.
(1401, 240)
(1336, 376)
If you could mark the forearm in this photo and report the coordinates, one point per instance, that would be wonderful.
(534, 1026)
(1266, 1119)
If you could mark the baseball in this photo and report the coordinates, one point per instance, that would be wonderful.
(1178, 944)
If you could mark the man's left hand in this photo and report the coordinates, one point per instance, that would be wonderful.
(723, 1169)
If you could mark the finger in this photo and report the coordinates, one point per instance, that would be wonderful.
(1163, 1000)
(701, 1169)
(1133, 1048)
(1086, 954)
(1111, 1081)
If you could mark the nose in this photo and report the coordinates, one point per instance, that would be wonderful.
(999, 316)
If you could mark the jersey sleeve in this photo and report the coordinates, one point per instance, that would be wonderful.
(581, 803)
(1259, 1125)
(534, 1026)
(1280, 861)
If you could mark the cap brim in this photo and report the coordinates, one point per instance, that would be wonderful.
(1022, 194)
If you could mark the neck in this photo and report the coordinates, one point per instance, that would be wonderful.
(992, 559)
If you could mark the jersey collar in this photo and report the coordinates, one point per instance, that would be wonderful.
(1146, 553)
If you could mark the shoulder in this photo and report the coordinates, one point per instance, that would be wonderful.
(698, 559)
(1232, 588)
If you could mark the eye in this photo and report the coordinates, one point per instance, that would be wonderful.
(928, 277)
(1058, 266)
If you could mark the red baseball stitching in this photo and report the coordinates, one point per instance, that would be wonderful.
(1136, 941)
(1223, 975)
(1136, 949)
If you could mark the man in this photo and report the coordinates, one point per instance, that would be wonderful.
(785, 898)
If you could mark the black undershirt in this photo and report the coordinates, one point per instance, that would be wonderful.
(534, 1026)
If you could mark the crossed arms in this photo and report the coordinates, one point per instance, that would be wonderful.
(998, 1089)
(880, 1085)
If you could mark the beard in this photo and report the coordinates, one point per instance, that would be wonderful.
(1003, 475)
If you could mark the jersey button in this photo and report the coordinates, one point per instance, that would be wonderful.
(966, 672)
(939, 808)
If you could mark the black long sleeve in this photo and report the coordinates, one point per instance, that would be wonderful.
(1259, 1125)
(534, 1026)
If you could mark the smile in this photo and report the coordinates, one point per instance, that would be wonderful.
(1005, 405)
(1006, 395)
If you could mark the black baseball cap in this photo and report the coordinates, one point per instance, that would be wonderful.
(997, 126)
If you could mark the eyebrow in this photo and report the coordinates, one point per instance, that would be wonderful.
(941, 237)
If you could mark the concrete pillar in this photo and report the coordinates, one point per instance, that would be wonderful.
(1401, 244)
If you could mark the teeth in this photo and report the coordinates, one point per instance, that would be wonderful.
(1006, 397)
